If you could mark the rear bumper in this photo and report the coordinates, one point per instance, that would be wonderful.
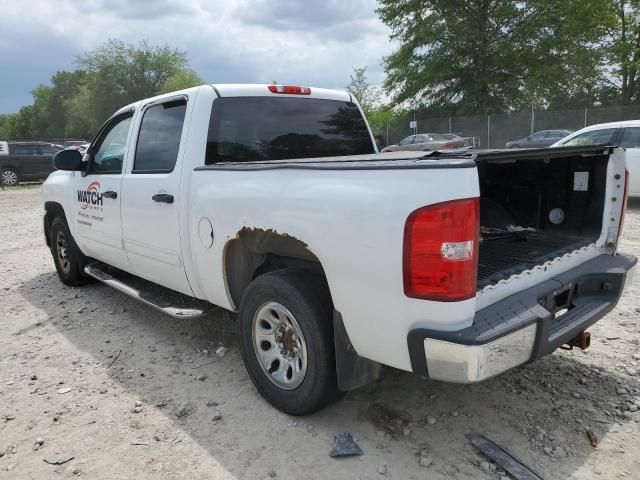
(525, 326)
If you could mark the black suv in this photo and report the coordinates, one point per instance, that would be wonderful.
(26, 161)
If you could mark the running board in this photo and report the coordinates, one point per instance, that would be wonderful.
(93, 270)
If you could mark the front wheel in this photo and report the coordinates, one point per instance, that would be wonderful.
(67, 257)
(286, 338)
(10, 177)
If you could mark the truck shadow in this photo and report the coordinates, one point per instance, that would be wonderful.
(546, 406)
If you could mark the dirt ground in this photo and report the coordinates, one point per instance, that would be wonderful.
(128, 393)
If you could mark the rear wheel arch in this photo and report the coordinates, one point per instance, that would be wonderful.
(255, 252)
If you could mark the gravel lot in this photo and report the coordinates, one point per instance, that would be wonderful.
(128, 393)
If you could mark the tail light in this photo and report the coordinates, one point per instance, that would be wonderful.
(289, 89)
(624, 202)
(440, 251)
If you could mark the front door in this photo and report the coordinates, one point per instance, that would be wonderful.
(98, 195)
(45, 160)
(152, 196)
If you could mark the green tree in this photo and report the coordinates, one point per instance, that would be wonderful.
(479, 56)
(118, 74)
(623, 53)
(76, 104)
(185, 78)
(3, 129)
(64, 87)
(359, 87)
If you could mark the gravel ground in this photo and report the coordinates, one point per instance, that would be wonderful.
(124, 392)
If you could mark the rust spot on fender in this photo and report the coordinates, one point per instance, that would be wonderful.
(245, 231)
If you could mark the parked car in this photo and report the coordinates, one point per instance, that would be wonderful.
(26, 161)
(338, 259)
(541, 139)
(74, 143)
(625, 134)
(427, 141)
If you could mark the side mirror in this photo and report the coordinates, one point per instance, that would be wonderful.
(70, 160)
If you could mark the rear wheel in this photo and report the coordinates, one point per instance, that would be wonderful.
(10, 177)
(286, 337)
(67, 257)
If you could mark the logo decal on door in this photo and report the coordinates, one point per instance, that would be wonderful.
(90, 196)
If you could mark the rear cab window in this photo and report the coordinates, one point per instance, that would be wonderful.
(249, 129)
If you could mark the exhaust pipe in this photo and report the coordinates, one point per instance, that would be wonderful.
(582, 341)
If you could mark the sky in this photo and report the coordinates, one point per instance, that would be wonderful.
(304, 42)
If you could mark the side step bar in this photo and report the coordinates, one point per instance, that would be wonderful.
(94, 270)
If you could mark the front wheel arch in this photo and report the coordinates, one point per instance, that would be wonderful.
(52, 210)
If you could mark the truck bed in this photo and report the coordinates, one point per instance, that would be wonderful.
(501, 258)
(518, 188)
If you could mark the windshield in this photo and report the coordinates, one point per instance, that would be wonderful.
(248, 129)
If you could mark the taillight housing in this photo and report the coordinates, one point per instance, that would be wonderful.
(289, 89)
(624, 202)
(440, 251)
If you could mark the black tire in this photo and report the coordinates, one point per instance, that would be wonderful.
(305, 294)
(10, 177)
(71, 261)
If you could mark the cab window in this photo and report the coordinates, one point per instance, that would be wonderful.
(630, 138)
(407, 141)
(159, 137)
(249, 129)
(594, 137)
(108, 157)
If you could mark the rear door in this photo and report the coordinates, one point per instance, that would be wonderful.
(152, 196)
(419, 142)
(97, 195)
(630, 141)
(26, 160)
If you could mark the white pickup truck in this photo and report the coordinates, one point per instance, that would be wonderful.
(271, 201)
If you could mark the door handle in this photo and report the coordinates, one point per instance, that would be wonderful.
(162, 198)
(110, 194)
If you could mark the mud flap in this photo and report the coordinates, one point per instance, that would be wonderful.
(352, 370)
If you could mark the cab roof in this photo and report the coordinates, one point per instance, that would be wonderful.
(262, 90)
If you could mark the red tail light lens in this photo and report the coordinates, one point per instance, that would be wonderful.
(289, 89)
(440, 252)
(624, 202)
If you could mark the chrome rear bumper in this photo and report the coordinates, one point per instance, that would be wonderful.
(525, 326)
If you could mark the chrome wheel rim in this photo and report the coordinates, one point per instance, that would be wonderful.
(63, 253)
(279, 345)
(9, 177)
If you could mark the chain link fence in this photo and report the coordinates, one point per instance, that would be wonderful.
(495, 130)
